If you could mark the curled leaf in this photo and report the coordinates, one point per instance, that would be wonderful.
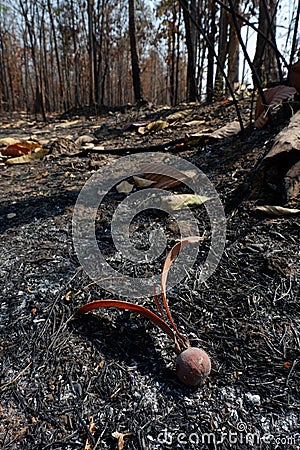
(132, 126)
(38, 154)
(21, 148)
(142, 182)
(157, 125)
(231, 129)
(174, 252)
(181, 201)
(165, 177)
(194, 123)
(5, 142)
(158, 321)
(178, 115)
(277, 210)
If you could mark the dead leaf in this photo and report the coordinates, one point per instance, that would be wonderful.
(178, 115)
(206, 135)
(124, 187)
(5, 142)
(162, 181)
(194, 123)
(120, 304)
(155, 126)
(172, 255)
(277, 210)
(120, 437)
(38, 154)
(199, 137)
(41, 176)
(84, 139)
(68, 296)
(274, 97)
(132, 126)
(21, 148)
(167, 179)
(181, 201)
(142, 182)
(231, 129)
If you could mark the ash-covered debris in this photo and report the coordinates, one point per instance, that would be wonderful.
(66, 383)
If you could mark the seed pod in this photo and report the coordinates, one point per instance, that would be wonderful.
(193, 366)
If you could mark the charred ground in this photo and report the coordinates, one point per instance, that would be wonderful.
(58, 375)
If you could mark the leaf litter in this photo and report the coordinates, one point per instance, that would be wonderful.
(246, 315)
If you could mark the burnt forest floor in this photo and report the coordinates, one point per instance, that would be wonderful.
(69, 384)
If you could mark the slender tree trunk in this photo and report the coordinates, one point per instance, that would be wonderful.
(265, 61)
(53, 30)
(233, 50)
(190, 45)
(76, 59)
(100, 71)
(222, 52)
(27, 78)
(136, 76)
(92, 98)
(210, 55)
(39, 106)
(5, 88)
(173, 55)
(176, 94)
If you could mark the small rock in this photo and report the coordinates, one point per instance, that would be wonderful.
(253, 399)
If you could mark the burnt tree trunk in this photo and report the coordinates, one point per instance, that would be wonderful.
(136, 77)
(190, 45)
(265, 60)
(211, 55)
(233, 50)
(222, 52)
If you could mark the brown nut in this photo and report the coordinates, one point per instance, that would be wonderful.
(193, 366)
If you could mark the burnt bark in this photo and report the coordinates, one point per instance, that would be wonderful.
(136, 76)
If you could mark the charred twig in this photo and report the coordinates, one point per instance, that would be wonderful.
(9, 383)
(174, 146)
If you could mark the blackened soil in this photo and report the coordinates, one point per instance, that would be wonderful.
(70, 383)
